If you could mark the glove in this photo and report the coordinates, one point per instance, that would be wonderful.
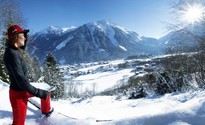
(41, 93)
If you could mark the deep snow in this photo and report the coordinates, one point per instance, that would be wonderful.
(171, 109)
(186, 108)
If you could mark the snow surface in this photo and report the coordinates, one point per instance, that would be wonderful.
(63, 44)
(171, 109)
(102, 81)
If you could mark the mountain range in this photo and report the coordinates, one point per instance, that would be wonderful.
(95, 41)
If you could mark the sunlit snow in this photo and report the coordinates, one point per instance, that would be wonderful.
(186, 108)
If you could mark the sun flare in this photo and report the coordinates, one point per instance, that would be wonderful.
(193, 13)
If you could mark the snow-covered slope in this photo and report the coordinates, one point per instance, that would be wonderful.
(171, 109)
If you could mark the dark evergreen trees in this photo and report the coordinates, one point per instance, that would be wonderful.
(53, 76)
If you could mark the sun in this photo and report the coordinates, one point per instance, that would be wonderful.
(193, 13)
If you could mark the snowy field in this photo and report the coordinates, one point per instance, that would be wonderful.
(101, 77)
(171, 109)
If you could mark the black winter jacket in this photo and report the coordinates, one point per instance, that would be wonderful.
(18, 73)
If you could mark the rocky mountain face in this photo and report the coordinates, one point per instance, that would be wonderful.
(94, 41)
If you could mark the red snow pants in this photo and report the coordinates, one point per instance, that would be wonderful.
(18, 100)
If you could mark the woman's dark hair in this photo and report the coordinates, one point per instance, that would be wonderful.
(11, 41)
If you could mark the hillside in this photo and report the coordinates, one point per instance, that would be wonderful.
(170, 109)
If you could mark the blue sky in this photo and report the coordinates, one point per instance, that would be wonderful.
(146, 17)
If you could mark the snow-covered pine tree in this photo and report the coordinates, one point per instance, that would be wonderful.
(3, 73)
(53, 76)
(36, 69)
(30, 66)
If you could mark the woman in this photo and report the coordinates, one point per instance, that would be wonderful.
(20, 87)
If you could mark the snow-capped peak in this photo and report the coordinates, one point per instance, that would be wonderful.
(110, 23)
(106, 27)
(57, 30)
